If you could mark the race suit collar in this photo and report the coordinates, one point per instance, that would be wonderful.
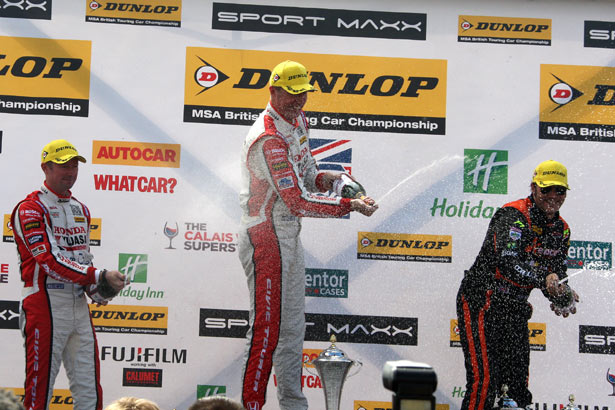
(55, 196)
(278, 117)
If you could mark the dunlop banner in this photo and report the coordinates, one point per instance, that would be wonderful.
(577, 103)
(136, 12)
(144, 154)
(387, 405)
(405, 247)
(537, 335)
(7, 229)
(130, 319)
(504, 30)
(44, 76)
(353, 93)
(61, 399)
(95, 231)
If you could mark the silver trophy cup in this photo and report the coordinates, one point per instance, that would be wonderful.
(332, 366)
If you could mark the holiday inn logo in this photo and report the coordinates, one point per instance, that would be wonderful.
(485, 171)
(134, 266)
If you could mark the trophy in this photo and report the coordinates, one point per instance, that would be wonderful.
(332, 366)
(506, 402)
(571, 405)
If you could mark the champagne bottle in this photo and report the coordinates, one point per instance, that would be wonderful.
(347, 187)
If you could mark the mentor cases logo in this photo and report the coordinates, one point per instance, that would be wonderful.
(485, 171)
(328, 283)
(590, 255)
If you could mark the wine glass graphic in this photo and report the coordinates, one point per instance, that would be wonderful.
(610, 377)
(170, 233)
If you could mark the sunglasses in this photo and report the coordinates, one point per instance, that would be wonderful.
(559, 190)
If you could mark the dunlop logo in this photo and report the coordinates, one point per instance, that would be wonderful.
(7, 229)
(504, 30)
(61, 399)
(136, 12)
(361, 93)
(405, 247)
(577, 103)
(537, 335)
(130, 319)
(45, 76)
(95, 231)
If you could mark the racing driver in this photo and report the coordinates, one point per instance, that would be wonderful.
(525, 247)
(280, 180)
(52, 233)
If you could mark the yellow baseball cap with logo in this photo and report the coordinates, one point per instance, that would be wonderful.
(60, 152)
(291, 76)
(550, 173)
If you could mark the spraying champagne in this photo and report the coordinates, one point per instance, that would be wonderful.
(347, 187)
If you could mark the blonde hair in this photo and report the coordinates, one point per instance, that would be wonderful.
(216, 403)
(9, 401)
(132, 403)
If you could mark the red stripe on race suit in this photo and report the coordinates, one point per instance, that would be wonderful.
(267, 311)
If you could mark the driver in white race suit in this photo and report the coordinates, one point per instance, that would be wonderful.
(52, 234)
(279, 182)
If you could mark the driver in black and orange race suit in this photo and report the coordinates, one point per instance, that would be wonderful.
(525, 248)
(279, 182)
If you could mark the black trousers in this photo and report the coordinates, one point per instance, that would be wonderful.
(495, 341)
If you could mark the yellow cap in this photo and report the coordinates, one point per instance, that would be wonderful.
(291, 76)
(60, 152)
(550, 173)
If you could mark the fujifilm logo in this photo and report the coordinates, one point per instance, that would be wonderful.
(329, 22)
(485, 171)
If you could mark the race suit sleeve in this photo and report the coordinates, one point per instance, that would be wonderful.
(36, 244)
(512, 237)
(295, 189)
(557, 264)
